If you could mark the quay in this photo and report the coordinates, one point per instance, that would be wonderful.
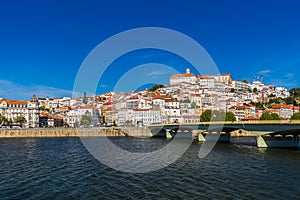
(72, 132)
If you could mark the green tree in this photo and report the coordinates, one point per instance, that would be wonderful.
(230, 117)
(3, 119)
(218, 116)
(254, 90)
(232, 90)
(289, 100)
(295, 92)
(85, 120)
(275, 101)
(20, 119)
(296, 116)
(215, 115)
(206, 116)
(193, 105)
(155, 87)
(244, 81)
(269, 116)
(258, 105)
(10, 121)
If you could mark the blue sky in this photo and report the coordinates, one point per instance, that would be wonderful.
(43, 43)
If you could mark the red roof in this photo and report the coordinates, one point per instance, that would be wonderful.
(182, 75)
(15, 102)
(279, 106)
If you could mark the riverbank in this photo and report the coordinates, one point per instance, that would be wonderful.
(92, 132)
(71, 132)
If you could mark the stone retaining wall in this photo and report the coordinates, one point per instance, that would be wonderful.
(68, 132)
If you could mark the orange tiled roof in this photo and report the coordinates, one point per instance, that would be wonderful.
(279, 106)
(205, 77)
(250, 118)
(44, 114)
(171, 100)
(182, 75)
(16, 102)
(270, 111)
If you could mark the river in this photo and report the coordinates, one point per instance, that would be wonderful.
(62, 168)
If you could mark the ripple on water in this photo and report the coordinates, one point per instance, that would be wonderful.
(62, 168)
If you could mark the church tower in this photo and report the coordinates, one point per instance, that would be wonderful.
(187, 71)
(33, 111)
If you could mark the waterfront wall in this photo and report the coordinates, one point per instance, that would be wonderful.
(68, 132)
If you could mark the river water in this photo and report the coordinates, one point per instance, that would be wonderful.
(63, 169)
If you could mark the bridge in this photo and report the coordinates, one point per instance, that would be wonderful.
(273, 133)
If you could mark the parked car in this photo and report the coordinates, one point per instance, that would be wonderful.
(5, 127)
(16, 127)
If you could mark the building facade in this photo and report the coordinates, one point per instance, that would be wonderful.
(12, 109)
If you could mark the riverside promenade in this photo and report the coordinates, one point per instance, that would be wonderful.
(72, 132)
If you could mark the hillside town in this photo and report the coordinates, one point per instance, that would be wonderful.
(182, 101)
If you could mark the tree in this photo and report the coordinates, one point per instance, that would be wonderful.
(3, 119)
(193, 105)
(232, 90)
(254, 89)
(10, 121)
(218, 116)
(206, 116)
(296, 116)
(269, 116)
(20, 119)
(230, 117)
(155, 87)
(85, 120)
(215, 115)
(295, 92)
(244, 81)
(275, 101)
(289, 100)
(257, 104)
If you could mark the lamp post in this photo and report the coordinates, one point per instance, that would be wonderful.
(293, 103)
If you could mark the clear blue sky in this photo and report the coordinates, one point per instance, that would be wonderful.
(43, 43)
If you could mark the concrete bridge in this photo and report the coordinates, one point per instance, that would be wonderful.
(273, 133)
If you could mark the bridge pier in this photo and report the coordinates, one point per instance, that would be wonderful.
(201, 136)
(279, 141)
(198, 135)
(261, 143)
(168, 134)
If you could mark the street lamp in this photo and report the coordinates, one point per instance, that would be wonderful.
(293, 103)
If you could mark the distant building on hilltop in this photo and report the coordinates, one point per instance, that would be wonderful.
(205, 81)
(180, 78)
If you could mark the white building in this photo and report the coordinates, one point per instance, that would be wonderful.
(240, 85)
(180, 78)
(285, 111)
(12, 109)
(125, 117)
(206, 81)
(146, 116)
